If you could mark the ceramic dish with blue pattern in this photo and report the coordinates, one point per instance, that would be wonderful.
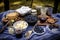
(54, 29)
(39, 30)
(31, 19)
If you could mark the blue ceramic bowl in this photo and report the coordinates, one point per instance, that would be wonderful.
(54, 29)
(39, 30)
(31, 19)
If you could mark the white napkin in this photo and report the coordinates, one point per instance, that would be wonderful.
(23, 10)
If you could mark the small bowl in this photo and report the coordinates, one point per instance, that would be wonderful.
(18, 26)
(31, 19)
(39, 30)
(58, 16)
(53, 29)
(43, 20)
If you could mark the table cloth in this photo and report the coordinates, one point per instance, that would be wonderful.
(46, 36)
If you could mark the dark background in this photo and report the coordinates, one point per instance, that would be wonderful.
(14, 4)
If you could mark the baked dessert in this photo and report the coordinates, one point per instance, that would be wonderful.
(12, 16)
(51, 20)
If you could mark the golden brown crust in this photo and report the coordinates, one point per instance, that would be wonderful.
(12, 16)
(51, 20)
(4, 19)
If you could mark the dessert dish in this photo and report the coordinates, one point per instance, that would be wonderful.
(51, 20)
(11, 16)
(54, 28)
(31, 19)
(39, 30)
(20, 26)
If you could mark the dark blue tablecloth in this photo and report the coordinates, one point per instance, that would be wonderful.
(45, 36)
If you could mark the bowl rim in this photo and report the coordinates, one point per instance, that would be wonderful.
(40, 33)
(56, 31)
(18, 23)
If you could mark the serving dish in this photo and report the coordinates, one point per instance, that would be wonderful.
(54, 28)
(31, 19)
(19, 26)
(39, 30)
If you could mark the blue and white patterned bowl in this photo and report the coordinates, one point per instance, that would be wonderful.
(31, 19)
(39, 30)
(54, 30)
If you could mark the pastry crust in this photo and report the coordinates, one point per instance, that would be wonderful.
(50, 20)
(12, 16)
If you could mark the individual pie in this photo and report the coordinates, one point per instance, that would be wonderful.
(12, 16)
(51, 20)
